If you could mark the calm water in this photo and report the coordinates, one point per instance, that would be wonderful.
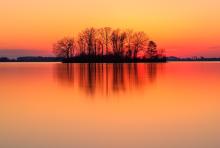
(53, 105)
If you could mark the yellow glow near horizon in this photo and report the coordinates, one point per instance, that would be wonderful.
(182, 27)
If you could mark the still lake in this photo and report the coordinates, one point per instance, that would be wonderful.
(164, 105)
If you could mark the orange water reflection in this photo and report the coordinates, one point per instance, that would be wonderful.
(107, 79)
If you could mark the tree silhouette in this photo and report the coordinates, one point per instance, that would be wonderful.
(101, 41)
(129, 42)
(90, 39)
(81, 44)
(118, 42)
(64, 48)
(107, 36)
(152, 49)
(140, 41)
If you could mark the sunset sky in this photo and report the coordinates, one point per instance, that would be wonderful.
(183, 28)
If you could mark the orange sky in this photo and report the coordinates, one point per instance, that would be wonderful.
(184, 28)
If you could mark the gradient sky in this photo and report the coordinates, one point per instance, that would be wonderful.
(183, 28)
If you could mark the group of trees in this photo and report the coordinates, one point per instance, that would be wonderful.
(107, 42)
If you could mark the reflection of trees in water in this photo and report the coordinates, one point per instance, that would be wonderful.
(106, 78)
(118, 77)
(65, 73)
(91, 78)
(152, 71)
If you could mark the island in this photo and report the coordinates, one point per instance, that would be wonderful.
(107, 45)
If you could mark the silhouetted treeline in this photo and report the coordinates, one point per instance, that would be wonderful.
(195, 58)
(32, 59)
(5, 59)
(108, 45)
(39, 59)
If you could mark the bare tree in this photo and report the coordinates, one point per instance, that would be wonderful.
(129, 42)
(81, 44)
(139, 42)
(101, 40)
(152, 49)
(122, 43)
(107, 38)
(114, 39)
(90, 39)
(64, 48)
(118, 42)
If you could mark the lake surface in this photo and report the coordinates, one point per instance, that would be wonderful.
(54, 105)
